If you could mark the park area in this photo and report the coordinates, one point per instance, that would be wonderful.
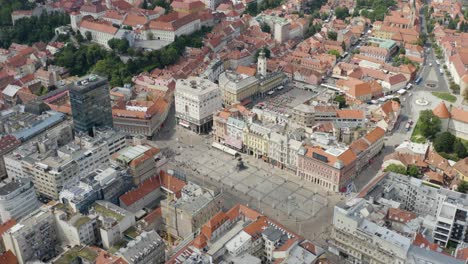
(445, 96)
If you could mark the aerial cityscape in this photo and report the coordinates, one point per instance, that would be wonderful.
(234, 131)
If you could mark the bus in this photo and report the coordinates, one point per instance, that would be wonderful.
(418, 80)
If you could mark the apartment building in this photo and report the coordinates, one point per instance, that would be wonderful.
(102, 184)
(147, 248)
(186, 215)
(447, 209)
(17, 199)
(7, 144)
(333, 169)
(196, 100)
(139, 159)
(112, 222)
(33, 237)
(102, 31)
(75, 229)
(243, 235)
(358, 236)
(172, 25)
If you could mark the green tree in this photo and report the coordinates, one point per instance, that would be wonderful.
(459, 149)
(400, 169)
(341, 12)
(119, 45)
(429, 124)
(265, 28)
(341, 100)
(88, 35)
(396, 99)
(252, 9)
(412, 171)
(343, 45)
(463, 187)
(332, 35)
(444, 142)
(266, 50)
(334, 52)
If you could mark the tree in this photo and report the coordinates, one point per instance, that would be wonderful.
(396, 99)
(88, 35)
(343, 45)
(429, 124)
(119, 45)
(400, 169)
(463, 187)
(412, 171)
(465, 94)
(459, 149)
(341, 100)
(266, 50)
(334, 52)
(341, 12)
(444, 142)
(265, 28)
(332, 35)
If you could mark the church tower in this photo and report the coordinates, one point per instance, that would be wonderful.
(262, 64)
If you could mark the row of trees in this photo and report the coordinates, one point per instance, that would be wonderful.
(374, 9)
(8, 6)
(412, 170)
(93, 58)
(447, 144)
(254, 9)
(33, 29)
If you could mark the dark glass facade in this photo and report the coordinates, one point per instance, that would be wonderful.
(90, 103)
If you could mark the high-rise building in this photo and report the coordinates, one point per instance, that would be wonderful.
(196, 100)
(17, 199)
(90, 103)
(33, 238)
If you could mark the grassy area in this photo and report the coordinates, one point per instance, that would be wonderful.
(417, 136)
(445, 96)
(75, 252)
(107, 212)
(83, 220)
(132, 232)
(117, 246)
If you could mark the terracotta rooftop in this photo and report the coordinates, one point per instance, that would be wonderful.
(350, 114)
(246, 70)
(100, 26)
(441, 111)
(8, 258)
(375, 135)
(459, 114)
(7, 225)
(145, 188)
(8, 142)
(399, 215)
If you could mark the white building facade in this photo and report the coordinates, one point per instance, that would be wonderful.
(196, 100)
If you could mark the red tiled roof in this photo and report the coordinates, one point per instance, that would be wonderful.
(399, 215)
(375, 135)
(145, 188)
(7, 225)
(100, 26)
(8, 258)
(459, 114)
(441, 111)
(8, 142)
(153, 215)
(246, 70)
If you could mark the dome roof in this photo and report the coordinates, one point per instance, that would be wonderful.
(441, 111)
